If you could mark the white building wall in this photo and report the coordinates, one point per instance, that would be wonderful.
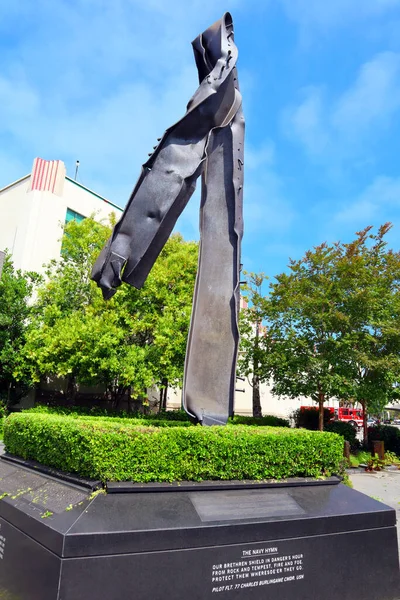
(84, 201)
(270, 404)
(39, 233)
(33, 212)
(12, 207)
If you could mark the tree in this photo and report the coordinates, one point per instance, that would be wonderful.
(333, 324)
(162, 311)
(127, 343)
(372, 328)
(63, 298)
(300, 346)
(15, 312)
(251, 328)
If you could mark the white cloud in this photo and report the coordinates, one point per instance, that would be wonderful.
(336, 130)
(260, 157)
(325, 14)
(111, 139)
(11, 168)
(373, 98)
(18, 100)
(371, 207)
(305, 122)
(266, 209)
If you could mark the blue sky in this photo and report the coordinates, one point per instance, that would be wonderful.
(100, 81)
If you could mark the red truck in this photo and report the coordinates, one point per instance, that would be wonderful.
(354, 416)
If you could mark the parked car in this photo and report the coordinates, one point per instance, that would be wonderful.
(371, 422)
(396, 421)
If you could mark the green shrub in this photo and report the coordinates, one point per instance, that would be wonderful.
(266, 421)
(123, 420)
(391, 459)
(107, 449)
(308, 418)
(3, 415)
(97, 411)
(388, 434)
(362, 457)
(168, 415)
(346, 430)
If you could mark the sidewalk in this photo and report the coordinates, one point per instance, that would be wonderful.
(383, 486)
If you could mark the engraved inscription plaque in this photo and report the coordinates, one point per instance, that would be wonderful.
(244, 504)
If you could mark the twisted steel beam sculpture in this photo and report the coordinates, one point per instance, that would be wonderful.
(207, 141)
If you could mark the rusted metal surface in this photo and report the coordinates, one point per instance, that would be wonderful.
(206, 142)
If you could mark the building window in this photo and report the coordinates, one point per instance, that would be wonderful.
(73, 215)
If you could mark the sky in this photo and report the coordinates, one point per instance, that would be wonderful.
(100, 81)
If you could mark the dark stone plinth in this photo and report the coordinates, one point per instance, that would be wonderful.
(37, 467)
(59, 542)
(128, 487)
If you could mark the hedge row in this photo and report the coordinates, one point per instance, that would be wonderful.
(179, 416)
(389, 434)
(118, 418)
(346, 430)
(309, 417)
(108, 450)
(267, 421)
(97, 411)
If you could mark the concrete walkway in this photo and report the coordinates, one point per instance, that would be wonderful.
(383, 486)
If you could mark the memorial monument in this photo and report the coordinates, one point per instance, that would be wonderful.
(294, 539)
(208, 143)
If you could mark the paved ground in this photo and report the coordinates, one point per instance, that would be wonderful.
(383, 486)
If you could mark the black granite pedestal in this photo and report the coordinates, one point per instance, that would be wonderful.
(59, 541)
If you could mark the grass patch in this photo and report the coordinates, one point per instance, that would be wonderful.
(120, 450)
(360, 458)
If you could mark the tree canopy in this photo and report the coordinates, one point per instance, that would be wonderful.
(15, 311)
(251, 329)
(128, 343)
(333, 324)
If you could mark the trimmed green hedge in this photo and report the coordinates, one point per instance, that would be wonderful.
(179, 416)
(389, 434)
(122, 419)
(309, 417)
(97, 411)
(267, 421)
(345, 429)
(109, 450)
